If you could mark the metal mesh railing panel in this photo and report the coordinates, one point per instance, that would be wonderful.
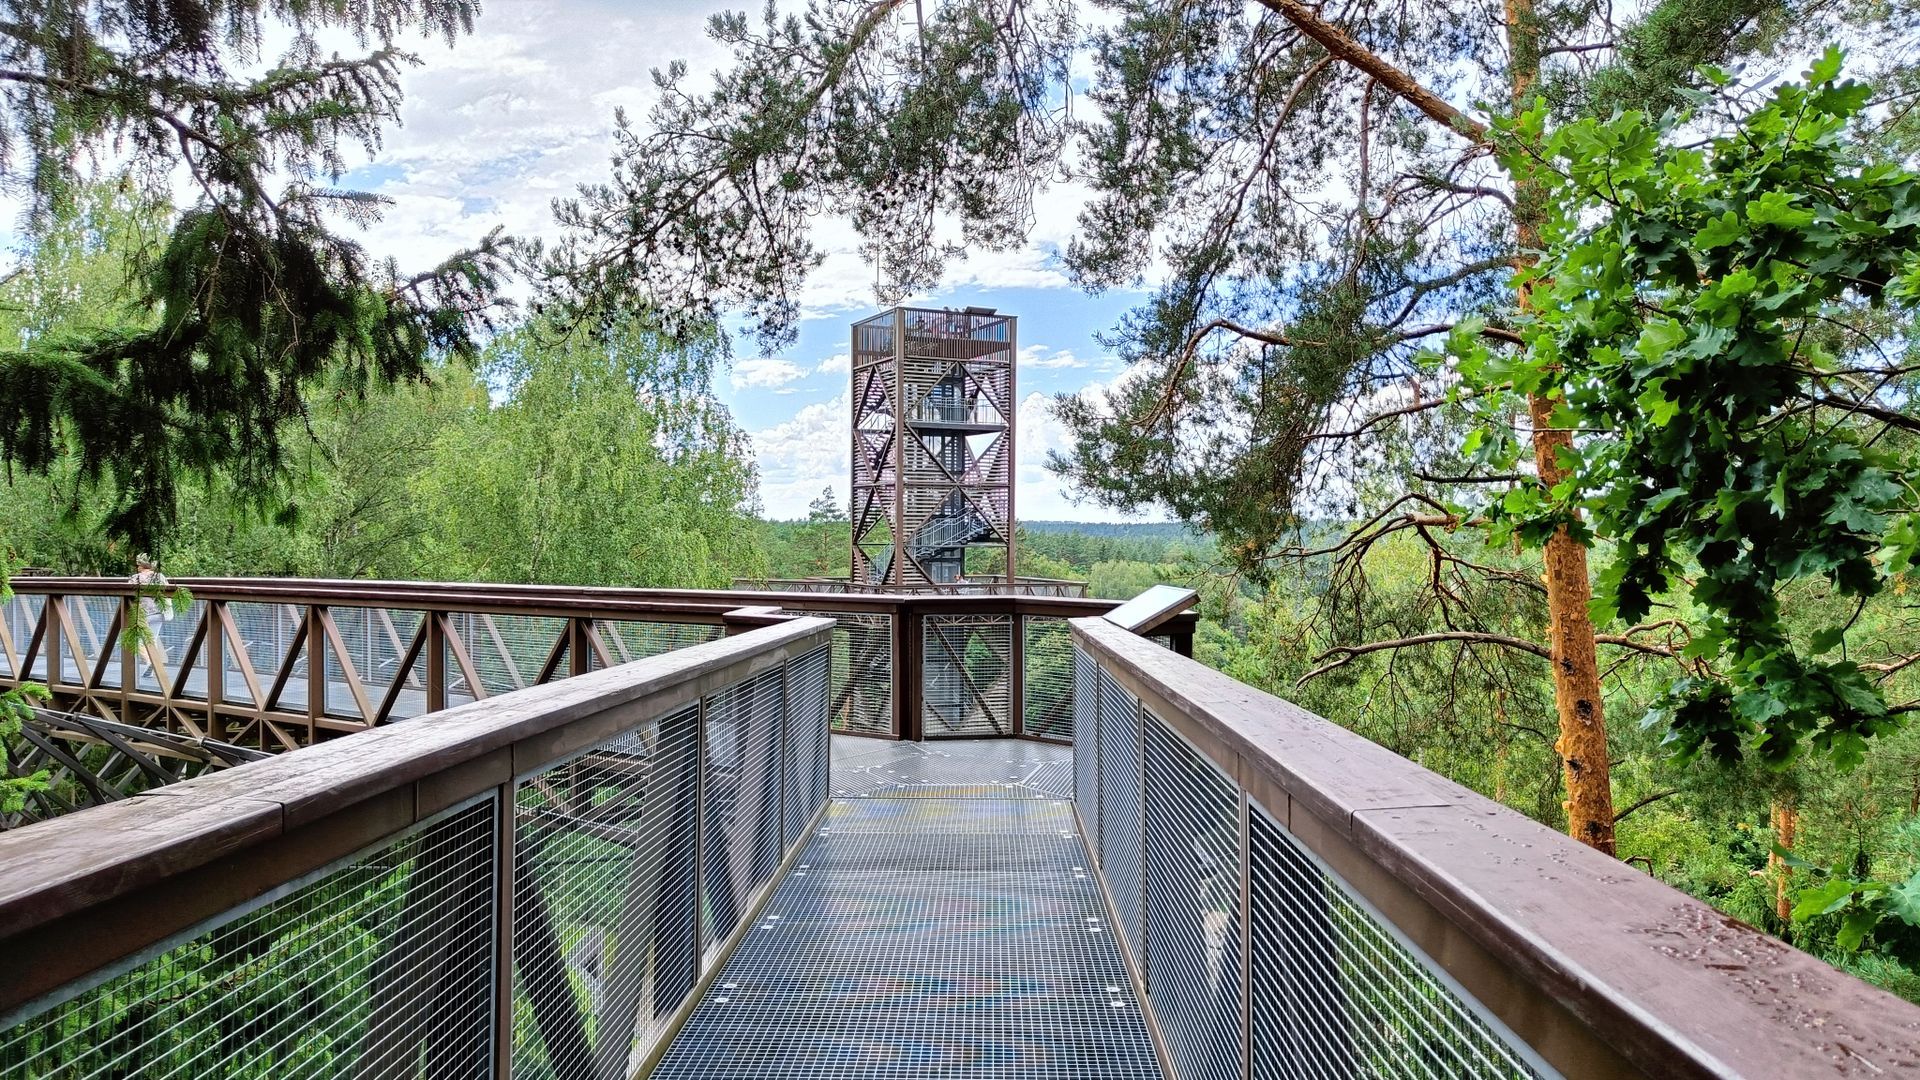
(22, 612)
(266, 631)
(806, 734)
(507, 651)
(861, 699)
(743, 743)
(629, 640)
(379, 967)
(92, 620)
(964, 675)
(1192, 923)
(1120, 805)
(1047, 681)
(604, 902)
(376, 640)
(1086, 745)
(1334, 994)
(163, 650)
(765, 767)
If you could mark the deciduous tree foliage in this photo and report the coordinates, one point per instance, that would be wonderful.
(255, 291)
(1733, 334)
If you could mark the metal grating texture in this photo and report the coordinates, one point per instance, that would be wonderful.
(1086, 744)
(604, 900)
(742, 800)
(806, 735)
(1192, 891)
(1047, 679)
(1120, 806)
(376, 644)
(380, 966)
(861, 702)
(955, 770)
(627, 640)
(1325, 987)
(927, 937)
(965, 675)
(1334, 994)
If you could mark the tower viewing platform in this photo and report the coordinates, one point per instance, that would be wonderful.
(401, 829)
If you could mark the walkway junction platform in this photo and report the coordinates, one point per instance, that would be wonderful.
(395, 829)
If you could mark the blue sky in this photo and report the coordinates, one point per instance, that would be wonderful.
(520, 113)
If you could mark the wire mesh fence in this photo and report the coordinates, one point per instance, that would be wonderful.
(1121, 795)
(1335, 990)
(1086, 745)
(372, 968)
(19, 614)
(742, 785)
(604, 900)
(633, 864)
(1322, 986)
(966, 661)
(860, 700)
(1046, 706)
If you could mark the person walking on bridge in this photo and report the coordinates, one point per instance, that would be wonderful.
(150, 585)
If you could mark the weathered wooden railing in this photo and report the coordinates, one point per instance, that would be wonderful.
(1020, 586)
(535, 885)
(1297, 901)
(280, 663)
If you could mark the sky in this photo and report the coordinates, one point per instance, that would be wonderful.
(521, 112)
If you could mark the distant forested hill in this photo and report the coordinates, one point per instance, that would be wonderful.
(1158, 531)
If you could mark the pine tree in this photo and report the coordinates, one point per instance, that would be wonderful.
(1317, 200)
(255, 292)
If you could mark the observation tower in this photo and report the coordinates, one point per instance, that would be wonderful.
(933, 435)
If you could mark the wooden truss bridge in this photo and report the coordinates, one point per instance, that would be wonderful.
(350, 829)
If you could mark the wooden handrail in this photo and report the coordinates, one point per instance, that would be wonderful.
(1579, 954)
(84, 890)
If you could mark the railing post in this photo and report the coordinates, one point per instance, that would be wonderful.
(435, 646)
(1017, 671)
(907, 672)
(127, 610)
(215, 646)
(579, 647)
(316, 671)
(503, 930)
(50, 645)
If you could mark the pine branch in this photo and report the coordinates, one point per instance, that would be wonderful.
(1402, 85)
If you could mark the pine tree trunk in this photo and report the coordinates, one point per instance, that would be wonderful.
(1582, 744)
(1786, 829)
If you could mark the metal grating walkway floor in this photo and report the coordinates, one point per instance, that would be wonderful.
(943, 923)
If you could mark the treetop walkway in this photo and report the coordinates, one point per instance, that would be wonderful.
(618, 833)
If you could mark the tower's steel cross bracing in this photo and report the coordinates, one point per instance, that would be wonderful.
(933, 416)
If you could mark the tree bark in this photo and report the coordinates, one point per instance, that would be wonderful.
(1582, 744)
(1786, 829)
(1576, 662)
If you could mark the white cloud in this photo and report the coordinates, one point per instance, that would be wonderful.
(1042, 356)
(837, 364)
(1040, 495)
(802, 455)
(765, 373)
